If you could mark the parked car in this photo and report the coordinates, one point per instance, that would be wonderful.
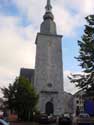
(84, 119)
(43, 119)
(52, 119)
(65, 120)
(3, 122)
(84, 115)
(67, 115)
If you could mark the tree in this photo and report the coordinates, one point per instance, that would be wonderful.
(21, 98)
(85, 80)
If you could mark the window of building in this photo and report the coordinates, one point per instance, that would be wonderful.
(77, 101)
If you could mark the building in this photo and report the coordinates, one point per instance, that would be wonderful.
(28, 74)
(78, 102)
(68, 103)
(84, 102)
(48, 73)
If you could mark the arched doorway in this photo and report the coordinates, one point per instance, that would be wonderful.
(49, 109)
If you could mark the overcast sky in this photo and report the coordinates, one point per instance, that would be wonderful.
(20, 21)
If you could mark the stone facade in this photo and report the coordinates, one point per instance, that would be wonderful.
(48, 71)
(48, 68)
(68, 103)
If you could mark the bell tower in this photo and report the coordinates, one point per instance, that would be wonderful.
(48, 80)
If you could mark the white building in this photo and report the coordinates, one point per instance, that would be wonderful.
(78, 101)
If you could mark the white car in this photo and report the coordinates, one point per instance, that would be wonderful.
(83, 118)
(67, 115)
(84, 115)
(2, 122)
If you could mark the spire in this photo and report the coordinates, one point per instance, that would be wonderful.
(48, 25)
(48, 6)
(48, 13)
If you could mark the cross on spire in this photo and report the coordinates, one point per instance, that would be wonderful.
(48, 6)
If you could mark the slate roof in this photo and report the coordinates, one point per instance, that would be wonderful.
(28, 73)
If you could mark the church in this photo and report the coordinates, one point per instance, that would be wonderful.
(47, 76)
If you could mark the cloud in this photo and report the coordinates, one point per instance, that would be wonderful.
(84, 7)
(67, 22)
(69, 87)
(15, 50)
(70, 15)
(7, 21)
(32, 9)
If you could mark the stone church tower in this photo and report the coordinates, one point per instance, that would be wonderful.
(48, 79)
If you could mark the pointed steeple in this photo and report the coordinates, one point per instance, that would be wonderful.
(48, 13)
(48, 6)
(48, 26)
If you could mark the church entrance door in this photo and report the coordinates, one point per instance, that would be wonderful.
(49, 108)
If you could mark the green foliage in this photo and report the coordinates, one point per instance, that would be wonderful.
(86, 53)
(86, 57)
(21, 98)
